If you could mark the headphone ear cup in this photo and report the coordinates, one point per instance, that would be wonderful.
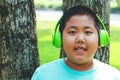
(104, 38)
(56, 39)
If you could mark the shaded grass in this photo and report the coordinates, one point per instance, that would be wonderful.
(49, 53)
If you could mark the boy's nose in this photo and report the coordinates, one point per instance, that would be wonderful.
(80, 38)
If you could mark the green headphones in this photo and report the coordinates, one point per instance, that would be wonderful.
(103, 35)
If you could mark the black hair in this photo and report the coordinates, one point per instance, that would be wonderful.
(77, 10)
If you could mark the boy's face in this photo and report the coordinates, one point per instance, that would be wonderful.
(80, 39)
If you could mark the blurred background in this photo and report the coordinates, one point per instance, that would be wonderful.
(48, 12)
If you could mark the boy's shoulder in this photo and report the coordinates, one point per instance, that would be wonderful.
(50, 65)
(47, 70)
(106, 66)
(106, 69)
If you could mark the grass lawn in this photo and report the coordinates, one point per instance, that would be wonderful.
(114, 46)
(48, 52)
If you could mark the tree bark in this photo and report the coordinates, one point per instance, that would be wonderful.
(18, 41)
(101, 8)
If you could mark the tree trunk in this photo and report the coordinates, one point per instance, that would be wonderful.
(101, 8)
(18, 41)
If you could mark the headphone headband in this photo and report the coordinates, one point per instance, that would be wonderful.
(58, 23)
(101, 22)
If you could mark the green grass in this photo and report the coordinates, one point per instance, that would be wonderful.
(114, 48)
(49, 53)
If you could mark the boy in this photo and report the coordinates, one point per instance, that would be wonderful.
(80, 37)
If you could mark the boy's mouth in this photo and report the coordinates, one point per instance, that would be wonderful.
(80, 49)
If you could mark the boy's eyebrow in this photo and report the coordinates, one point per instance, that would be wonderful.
(86, 27)
(72, 27)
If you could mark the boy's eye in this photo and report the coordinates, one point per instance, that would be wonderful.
(88, 32)
(72, 32)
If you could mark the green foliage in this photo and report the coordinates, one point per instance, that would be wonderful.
(48, 4)
(49, 53)
(118, 2)
(115, 6)
(57, 5)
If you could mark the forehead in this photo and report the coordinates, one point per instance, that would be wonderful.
(80, 20)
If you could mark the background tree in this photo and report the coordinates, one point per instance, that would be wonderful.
(101, 8)
(18, 41)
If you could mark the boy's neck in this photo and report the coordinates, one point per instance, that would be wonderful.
(80, 67)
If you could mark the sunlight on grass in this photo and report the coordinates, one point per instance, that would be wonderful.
(47, 51)
(46, 38)
(114, 48)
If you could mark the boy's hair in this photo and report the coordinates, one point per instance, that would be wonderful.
(77, 10)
